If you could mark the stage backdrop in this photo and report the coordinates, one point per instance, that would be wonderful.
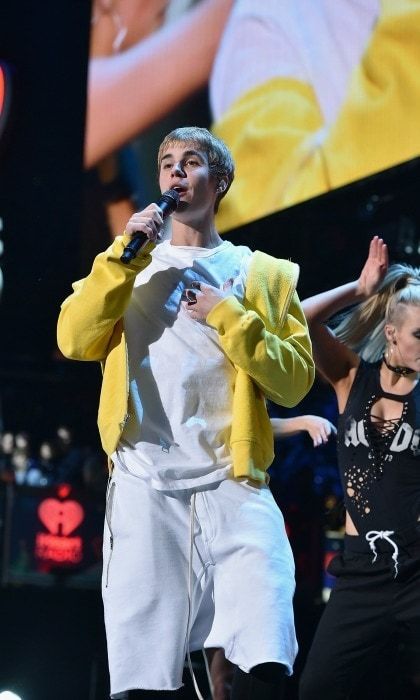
(308, 95)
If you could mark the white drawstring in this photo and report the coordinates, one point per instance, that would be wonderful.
(190, 596)
(374, 535)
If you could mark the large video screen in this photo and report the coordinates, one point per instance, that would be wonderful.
(309, 96)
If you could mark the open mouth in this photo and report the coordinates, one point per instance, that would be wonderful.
(179, 189)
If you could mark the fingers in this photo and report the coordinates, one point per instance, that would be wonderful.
(320, 439)
(192, 312)
(378, 250)
(373, 247)
(203, 297)
(195, 290)
(323, 432)
(148, 221)
(384, 256)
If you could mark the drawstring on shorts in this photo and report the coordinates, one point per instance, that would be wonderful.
(374, 535)
(190, 597)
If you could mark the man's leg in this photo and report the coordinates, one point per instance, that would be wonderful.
(145, 589)
(263, 682)
(221, 673)
(253, 576)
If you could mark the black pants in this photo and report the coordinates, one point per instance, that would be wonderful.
(369, 613)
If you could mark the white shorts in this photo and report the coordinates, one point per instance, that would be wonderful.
(242, 580)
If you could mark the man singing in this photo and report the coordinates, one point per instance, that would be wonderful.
(193, 335)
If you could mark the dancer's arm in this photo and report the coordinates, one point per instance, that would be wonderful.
(332, 358)
(320, 429)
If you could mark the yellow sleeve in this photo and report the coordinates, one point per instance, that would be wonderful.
(89, 315)
(280, 363)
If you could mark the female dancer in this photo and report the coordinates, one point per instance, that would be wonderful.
(372, 360)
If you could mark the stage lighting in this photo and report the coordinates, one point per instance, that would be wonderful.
(8, 695)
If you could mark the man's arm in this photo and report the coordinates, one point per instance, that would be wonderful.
(281, 363)
(88, 316)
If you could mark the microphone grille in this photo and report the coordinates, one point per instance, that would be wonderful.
(171, 196)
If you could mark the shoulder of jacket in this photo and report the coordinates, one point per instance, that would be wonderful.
(270, 285)
(275, 270)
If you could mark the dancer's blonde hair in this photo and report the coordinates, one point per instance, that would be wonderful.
(362, 327)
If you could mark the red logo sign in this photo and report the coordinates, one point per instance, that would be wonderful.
(60, 518)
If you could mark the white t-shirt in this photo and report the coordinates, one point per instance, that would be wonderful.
(181, 382)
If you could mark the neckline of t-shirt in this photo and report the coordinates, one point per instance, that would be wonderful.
(190, 250)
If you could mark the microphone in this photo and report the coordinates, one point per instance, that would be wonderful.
(168, 202)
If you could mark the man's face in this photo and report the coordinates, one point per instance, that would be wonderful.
(185, 168)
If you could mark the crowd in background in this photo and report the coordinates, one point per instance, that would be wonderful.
(51, 461)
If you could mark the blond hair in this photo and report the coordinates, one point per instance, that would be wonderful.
(362, 327)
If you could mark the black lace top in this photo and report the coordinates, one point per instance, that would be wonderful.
(379, 460)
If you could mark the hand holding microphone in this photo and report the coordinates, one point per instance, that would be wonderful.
(144, 226)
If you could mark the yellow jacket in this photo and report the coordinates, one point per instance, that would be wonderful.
(266, 338)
